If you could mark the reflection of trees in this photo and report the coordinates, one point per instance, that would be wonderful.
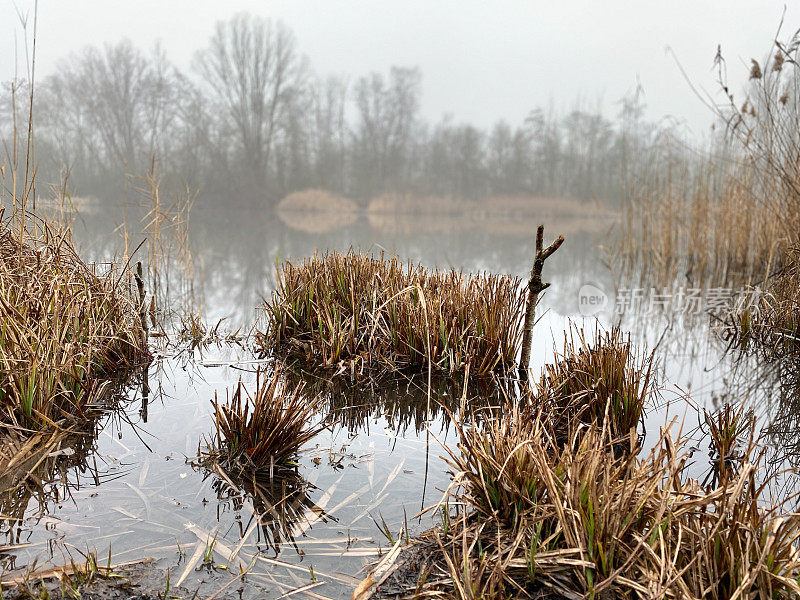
(281, 501)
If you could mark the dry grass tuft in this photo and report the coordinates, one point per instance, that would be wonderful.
(66, 331)
(263, 429)
(727, 429)
(361, 313)
(597, 381)
(582, 521)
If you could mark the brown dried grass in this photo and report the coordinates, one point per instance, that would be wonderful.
(360, 314)
(67, 333)
(262, 429)
(582, 521)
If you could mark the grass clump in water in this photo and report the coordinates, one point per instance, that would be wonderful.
(264, 429)
(553, 506)
(580, 520)
(66, 331)
(603, 380)
(362, 313)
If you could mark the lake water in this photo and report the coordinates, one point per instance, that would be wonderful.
(379, 463)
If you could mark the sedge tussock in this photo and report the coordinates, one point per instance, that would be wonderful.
(66, 331)
(264, 428)
(362, 313)
(596, 380)
(582, 521)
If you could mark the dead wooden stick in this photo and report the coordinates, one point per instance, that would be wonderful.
(142, 306)
(535, 287)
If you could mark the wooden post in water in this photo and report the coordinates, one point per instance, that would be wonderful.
(535, 287)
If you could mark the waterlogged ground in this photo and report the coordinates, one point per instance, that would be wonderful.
(141, 498)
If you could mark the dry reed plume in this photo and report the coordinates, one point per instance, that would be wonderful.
(360, 313)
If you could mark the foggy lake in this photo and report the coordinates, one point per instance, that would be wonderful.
(156, 186)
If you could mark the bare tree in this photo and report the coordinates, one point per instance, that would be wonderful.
(252, 69)
(387, 122)
(329, 133)
(110, 111)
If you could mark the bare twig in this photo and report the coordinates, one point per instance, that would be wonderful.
(535, 287)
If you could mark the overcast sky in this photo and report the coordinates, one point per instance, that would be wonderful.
(480, 60)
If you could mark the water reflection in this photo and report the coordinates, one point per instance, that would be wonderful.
(382, 461)
(281, 510)
(408, 404)
(40, 472)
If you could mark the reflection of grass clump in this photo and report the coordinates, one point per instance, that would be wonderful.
(378, 314)
(282, 502)
(64, 331)
(264, 429)
(43, 467)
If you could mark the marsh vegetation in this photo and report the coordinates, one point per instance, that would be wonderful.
(263, 430)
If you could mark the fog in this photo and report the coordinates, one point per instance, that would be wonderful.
(479, 61)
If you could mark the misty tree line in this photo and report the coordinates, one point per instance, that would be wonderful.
(251, 117)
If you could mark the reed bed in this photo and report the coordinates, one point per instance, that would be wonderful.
(360, 314)
(264, 429)
(708, 221)
(771, 326)
(67, 332)
(725, 216)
